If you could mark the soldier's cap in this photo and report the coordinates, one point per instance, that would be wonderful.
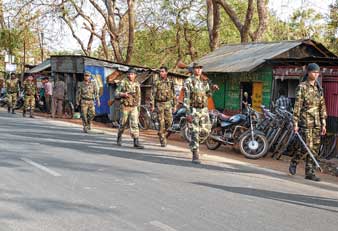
(87, 73)
(313, 67)
(197, 65)
(131, 70)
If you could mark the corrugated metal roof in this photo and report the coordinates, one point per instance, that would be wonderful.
(41, 67)
(243, 57)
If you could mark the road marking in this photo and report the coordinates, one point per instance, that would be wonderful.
(41, 167)
(162, 226)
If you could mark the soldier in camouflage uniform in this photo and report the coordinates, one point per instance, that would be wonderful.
(85, 96)
(129, 93)
(12, 86)
(30, 95)
(196, 93)
(310, 116)
(164, 98)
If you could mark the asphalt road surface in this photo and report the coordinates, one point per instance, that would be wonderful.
(54, 177)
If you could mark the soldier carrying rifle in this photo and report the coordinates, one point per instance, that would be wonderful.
(310, 117)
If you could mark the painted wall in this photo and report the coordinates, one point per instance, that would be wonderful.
(228, 97)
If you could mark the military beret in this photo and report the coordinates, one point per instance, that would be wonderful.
(131, 70)
(196, 65)
(313, 67)
(88, 73)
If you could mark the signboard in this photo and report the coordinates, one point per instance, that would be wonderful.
(10, 67)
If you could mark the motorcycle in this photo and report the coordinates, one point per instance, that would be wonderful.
(238, 129)
(39, 103)
(179, 123)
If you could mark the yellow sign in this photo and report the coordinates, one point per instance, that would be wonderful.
(257, 95)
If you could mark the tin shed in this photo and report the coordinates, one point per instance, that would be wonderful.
(237, 68)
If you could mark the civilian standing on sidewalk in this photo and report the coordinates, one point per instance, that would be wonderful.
(59, 93)
(48, 93)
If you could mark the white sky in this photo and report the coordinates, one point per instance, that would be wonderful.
(283, 9)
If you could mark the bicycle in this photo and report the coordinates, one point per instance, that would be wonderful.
(328, 145)
(148, 119)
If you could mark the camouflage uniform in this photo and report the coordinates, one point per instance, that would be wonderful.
(12, 86)
(129, 107)
(86, 94)
(164, 98)
(310, 116)
(29, 99)
(196, 93)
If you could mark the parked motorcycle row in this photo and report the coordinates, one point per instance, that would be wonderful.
(255, 134)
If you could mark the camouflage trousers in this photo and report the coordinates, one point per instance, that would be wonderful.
(87, 112)
(165, 118)
(29, 102)
(311, 137)
(200, 125)
(12, 98)
(129, 114)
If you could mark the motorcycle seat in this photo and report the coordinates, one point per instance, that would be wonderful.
(223, 117)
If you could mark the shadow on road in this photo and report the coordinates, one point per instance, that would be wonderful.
(295, 199)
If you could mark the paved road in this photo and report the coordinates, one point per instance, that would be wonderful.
(53, 177)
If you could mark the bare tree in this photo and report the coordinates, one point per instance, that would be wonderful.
(112, 16)
(244, 28)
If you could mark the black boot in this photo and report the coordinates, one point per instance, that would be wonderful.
(137, 144)
(119, 139)
(195, 157)
(163, 142)
(13, 112)
(293, 168)
(24, 112)
(312, 177)
(9, 109)
(85, 129)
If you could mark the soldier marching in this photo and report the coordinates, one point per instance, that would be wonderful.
(30, 95)
(13, 88)
(164, 99)
(196, 93)
(86, 95)
(129, 93)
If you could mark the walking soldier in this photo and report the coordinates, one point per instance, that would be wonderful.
(310, 116)
(164, 98)
(196, 93)
(30, 92)
(12, 86)
(85, 96)
(129, 91)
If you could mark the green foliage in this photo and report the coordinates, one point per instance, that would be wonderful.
(10, 40)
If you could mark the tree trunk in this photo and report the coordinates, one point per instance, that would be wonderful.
(104, 43)
(244, 28)
(131, 29)
(2, 19)
(263, 20)
(213, 22)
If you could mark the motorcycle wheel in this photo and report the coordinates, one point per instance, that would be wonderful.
(253, 149)
(185, 133)
(210, 142)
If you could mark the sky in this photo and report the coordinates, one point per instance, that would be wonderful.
(283, 9)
